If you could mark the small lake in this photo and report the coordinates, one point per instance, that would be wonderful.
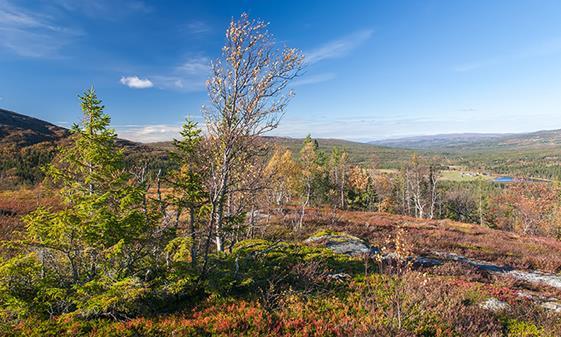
(508, 179)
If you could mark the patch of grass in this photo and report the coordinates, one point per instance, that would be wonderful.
(462, 176)
(516, 328)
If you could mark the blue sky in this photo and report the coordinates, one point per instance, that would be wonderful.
(376, 69)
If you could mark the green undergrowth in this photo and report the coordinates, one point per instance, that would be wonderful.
(255, 264)
(334, 236)
(265, 288)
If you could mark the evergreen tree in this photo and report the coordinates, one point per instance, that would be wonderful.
(97, 253)
(187, 181)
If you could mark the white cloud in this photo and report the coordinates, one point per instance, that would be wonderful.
(136, 83)
(338, 48)
(149, 133)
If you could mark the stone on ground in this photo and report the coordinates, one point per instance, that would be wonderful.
(342, 243)
(494, 304)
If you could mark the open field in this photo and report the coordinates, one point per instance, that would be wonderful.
(462, 176)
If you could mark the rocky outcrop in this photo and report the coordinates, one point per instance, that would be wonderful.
(494, 304)
(552, 280)
(342, 243)
(532, 277)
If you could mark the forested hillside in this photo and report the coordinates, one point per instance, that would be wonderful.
(525, 155)
(478, 141)
(26, 144)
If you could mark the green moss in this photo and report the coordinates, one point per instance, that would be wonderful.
(473, 247)
(324, 233)
(516, 328)
(251, 245)
(254, 263)
(335, 236)
(475, 294)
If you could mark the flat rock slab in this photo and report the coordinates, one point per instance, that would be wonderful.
(342, 243)
(552, 280)
(494, 304)
(552, 305)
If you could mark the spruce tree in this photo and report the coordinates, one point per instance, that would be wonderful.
(97, 252)
(187, 180)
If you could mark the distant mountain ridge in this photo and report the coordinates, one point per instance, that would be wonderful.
(23, 130)
(438, 140)
(20, 132)
(28, 143)
(477, 141)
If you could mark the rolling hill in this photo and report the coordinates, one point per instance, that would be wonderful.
(525, 155)
(24, 130)
(359, 153)
(544, 139)
(438, 141)
(28, 143)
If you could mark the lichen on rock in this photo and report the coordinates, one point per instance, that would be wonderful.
(342, 243)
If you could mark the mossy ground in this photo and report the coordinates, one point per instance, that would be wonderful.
(286, 288)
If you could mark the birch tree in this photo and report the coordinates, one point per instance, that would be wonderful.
(310, 170)
(248, 96)
(421, 183)
(338, 165)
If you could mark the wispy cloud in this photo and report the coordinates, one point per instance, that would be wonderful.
(470, 66)
(368, 128)
(545, 48)
(139, 6)
(195, 28)
(136, 83)
(32, 34)
(149, 133)
(104, 9)
(188, 76)
(313, 79)
(356, 128)
(338, 48)
(195, 66)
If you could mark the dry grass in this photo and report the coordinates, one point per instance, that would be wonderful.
(429, 236)
(15, 204)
